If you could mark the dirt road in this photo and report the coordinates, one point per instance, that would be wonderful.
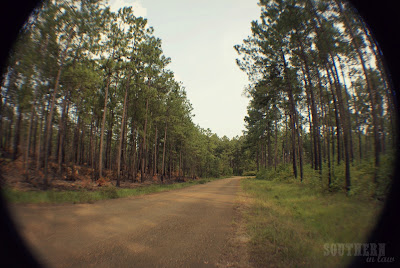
(182, 228)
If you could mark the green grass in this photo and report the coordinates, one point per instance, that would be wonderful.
(84, 196)
(362, 175)
(289, 222)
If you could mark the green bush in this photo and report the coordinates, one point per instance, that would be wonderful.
(250, 173)
(265, 174)
(384, 176)
(109, 192)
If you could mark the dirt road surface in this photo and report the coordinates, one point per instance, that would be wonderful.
(188, 227)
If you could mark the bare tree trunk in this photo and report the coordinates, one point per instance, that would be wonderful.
(28, 138)
(269, 148)
(61, 134)
(39, 143)
(371, 91)
(155, 153)
(121, 135)
(346, 102)
(163, 157)
(91, 152)
(144, 143)
(133, 153)
(17, 134)
(292, 114)
(315, 119)
(50, 115)
(276, 144)
(338, 121)
(1, 121)
(344, 114)
(103, 123)
(180, 164)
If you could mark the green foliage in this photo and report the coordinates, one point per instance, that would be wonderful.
(385, 176)
(250, 173)
(311, 94)
(97, 57)
(281, 213)
(109, 192)
(282, 173)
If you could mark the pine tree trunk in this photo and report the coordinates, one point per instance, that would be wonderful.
(61, 134)
(39, 143)
(292, 114)
(163, 157)
(144, 143)
(28, 138)
(133, 153)
(155, 154)
(344, 118)
(276, 144)
(121, 136)
(1, 121)
(371, 91)
(315, 119)
(17, 134)
(103, 124)
(269, 149)
(338, 121)
(50, 114)
(124, 152)
(91, 153)
(386, 82)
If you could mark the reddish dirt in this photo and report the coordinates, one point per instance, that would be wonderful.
(190, 227)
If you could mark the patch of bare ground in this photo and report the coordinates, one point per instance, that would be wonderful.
(236, 251)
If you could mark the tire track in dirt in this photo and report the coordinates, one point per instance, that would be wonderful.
(189, 227)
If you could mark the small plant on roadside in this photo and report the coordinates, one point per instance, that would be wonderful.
(109, 192)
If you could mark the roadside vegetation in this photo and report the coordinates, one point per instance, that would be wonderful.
(87, 196)
(289, 222)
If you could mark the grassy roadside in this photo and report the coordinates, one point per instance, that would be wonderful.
(85, 196)
(289, 223)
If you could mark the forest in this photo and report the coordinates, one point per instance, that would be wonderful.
(321, 102)
(89, 111)
(88, 95)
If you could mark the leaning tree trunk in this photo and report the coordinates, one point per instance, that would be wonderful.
(344, 118)
(371, 91)
(315, 118)
(386, 81)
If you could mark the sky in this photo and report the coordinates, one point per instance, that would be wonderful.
(198, 36)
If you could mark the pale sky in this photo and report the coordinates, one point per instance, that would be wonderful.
(198, 36)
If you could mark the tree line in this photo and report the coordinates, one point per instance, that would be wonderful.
(89, 87)
(319, 92)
